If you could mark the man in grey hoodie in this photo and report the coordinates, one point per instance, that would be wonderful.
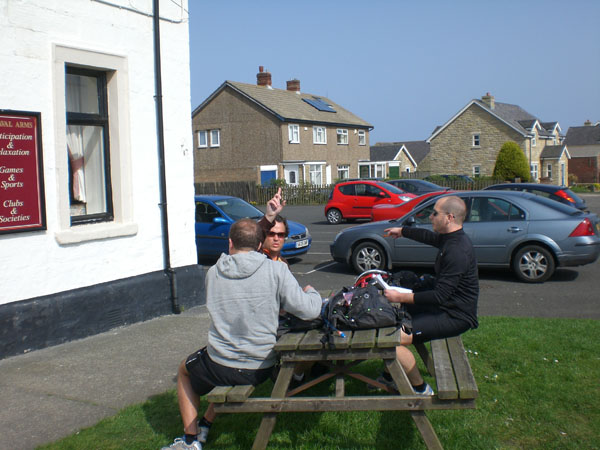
(244, 293)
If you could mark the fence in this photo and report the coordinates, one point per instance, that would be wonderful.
(306, 194)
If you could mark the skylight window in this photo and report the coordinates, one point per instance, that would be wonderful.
(319, 104)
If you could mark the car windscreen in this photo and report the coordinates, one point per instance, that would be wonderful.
(237, 208)
(562, 207)
(391, 188)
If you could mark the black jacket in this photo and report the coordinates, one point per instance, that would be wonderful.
(457, 282)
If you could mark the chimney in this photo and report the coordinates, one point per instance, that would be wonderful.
(587, 123)
(488, 99)
(263, 78)
(293, 85)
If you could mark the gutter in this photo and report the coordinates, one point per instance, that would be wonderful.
(161, 162)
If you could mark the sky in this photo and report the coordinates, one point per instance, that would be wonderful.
(407, 66)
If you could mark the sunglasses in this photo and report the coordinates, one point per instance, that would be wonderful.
(435, 213)
(279, 235)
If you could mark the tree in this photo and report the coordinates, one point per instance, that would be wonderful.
(511, 163)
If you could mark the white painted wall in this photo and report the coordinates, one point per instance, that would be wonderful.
(38, 263)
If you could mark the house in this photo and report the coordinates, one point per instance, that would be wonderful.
(246, 132)
(390, 159)
(469, 142)
(89, 239)
(584, 147)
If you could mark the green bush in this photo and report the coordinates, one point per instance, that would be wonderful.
(511, 163)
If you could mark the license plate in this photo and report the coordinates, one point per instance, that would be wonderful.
(302, 243)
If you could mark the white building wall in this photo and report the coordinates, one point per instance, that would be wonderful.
(45, 262)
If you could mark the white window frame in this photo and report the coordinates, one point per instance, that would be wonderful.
(342, 136)
(362, 137)
(343, 171)
(294, 133)
(534, 170)
(313, 171)
(477, 171)
(117, 81)
(215, 142)
(319, 135)
(200, 133)
(549, 170)
(476, 140)
(533, 141)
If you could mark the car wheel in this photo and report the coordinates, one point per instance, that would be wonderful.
(368, 256)
(533, 264)
(334, 216)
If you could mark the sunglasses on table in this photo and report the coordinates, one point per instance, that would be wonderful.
(273, 234)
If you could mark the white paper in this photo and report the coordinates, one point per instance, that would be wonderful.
(381, 282)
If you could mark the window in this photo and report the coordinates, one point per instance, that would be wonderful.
(533, 141)
(362, 137)
(319, 135)
(215, 138)
(343, 172)
(115, 144)
(534, 171)
(549, 170)
(348, 189)
(342, 136)
(90, 192)
(476, 171)
(202, 139)
(316, 174)
(206, 213)
(294, 134)
(494, 210)
(476, 140)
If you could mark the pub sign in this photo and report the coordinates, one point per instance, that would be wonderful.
(22, 206)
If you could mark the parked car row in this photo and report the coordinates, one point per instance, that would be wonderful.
(530, 234)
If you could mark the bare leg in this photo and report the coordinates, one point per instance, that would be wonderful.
(407, 360)
(188, 401)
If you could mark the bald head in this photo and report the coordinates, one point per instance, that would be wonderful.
(456, 206)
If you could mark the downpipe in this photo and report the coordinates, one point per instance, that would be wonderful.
(161, 162)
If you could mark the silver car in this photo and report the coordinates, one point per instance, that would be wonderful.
(529, 234)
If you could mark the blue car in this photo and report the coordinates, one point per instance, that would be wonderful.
(216, 213)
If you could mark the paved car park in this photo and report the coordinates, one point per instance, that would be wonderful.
(571, 292)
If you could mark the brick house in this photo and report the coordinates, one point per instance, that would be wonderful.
(584, 146)
(390, 159)
(469, 142)
(246, 132)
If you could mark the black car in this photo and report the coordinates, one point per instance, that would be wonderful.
(559, 193)
(417, 187)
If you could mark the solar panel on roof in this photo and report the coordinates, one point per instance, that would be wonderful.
(316, 102)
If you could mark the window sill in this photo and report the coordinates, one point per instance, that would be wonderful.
(93, 232)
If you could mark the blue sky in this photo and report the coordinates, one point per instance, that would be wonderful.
(407, 66)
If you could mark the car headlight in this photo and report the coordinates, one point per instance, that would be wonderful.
(307, 232)
(337, 236)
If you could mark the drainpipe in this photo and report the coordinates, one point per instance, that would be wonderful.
(161, 163)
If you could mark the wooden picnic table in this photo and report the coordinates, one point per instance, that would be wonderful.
(455, 385)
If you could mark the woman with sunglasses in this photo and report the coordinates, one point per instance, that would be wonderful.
(275, 228)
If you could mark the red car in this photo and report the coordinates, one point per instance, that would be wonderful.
(388, 212)
(356, 199)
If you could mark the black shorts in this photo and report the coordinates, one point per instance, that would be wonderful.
(429, 324)
(205, 374)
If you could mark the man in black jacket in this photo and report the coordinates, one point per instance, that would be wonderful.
(450, 307)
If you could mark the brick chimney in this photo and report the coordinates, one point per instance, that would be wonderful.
(263, 78)
(488, 99)
(293, 85)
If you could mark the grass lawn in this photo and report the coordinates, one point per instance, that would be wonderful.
(539, 387)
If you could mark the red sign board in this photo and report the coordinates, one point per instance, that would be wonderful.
(22, 205)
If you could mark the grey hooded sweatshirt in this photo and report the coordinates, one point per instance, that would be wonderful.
(244, 293)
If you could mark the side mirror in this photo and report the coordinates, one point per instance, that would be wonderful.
(219, 220)
(409, 222)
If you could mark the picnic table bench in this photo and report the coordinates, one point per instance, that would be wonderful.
(455, 385)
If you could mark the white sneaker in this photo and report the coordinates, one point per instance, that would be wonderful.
(428, 391)
(179, 444)
(202, 434)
